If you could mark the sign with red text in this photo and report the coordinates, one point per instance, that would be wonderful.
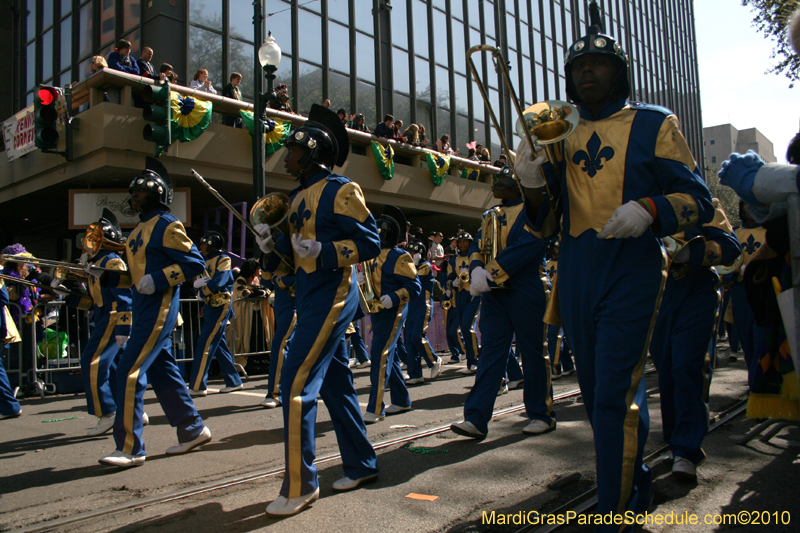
(18, 134)
(86, 206)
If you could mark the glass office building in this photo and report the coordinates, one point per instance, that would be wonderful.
(404, 57)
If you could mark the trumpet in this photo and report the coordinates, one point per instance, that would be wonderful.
(61, 274)
(551, 121)
(272, 209)
(93, 241)
(490, 244)
(463, 277)
(446, 304)
(367, 299)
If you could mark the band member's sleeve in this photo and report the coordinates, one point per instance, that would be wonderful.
(406, 273)
(687, 201)
(272, 263)
(451, 277)
(475, 255)
(424, 270)
(719, 245)
(518, 255)
(84, 303)
(222, 277)
(188, 263)
(353, 217)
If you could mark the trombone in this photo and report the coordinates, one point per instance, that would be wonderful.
(93, 241)
(39, 285)
(272, 209)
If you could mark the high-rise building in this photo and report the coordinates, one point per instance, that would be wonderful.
(723, 140)
(405, 57)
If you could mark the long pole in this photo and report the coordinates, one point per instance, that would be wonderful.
(259, 188)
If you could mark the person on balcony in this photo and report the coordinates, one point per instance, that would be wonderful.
(201, 82)
(120, 58)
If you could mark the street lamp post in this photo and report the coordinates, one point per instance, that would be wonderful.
(269, 58)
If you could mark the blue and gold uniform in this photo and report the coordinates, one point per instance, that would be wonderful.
(680, 342)
(560, 359)
(285, 319)
(111, 314)
(331, 210)
(158, 247)
(624, 153)
(466, 308)
(212, 341)
(454, 341)
(420, 310)
(517, 310)
(9, 406)
(393, 274)
(751, 237)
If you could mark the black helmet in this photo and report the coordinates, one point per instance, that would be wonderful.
(595, 42)
(505, 179)
(388, 230)
(325, 138)
(154, 178)
(215, 239)
(111, 229)
(464, 235)
(417, 247)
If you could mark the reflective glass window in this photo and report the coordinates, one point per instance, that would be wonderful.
(462, 103)
(424, 120)
(478, 106)
(85, 31)
(527, 87)
(47, 14)
(402, 109)
(29, 99)
(66, 7)
(474, 38)
(316, 6)
(338, 10)
(364, 20)
(400, 75)
(280, 24)
(241, 61)
(479, 133)
(443, 126)
(30, 65)
(440, 4)
(551, 84)
(311, 43)
(511, 32)
(442, 87)
(462, 133)
(420, 14)
(84, 70)
(47, 53)
(365, 92)
(309, 87)
(488, 19)
(66, 77)
(135, 37)
(207, 13)
(131, 14)
(339, 93)
(537, 46)
(459, 47)
(457, 9)
(423, 75)
(365, 57)
(540, 77)
(400, 25)
(339, 49)
(66, 42)
(283, 75)
(241, 20)
(440, 37)
(205, 51)
(108, 29)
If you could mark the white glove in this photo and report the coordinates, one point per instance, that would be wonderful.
(456, 282)
(386, 301)
(416, 258)
(628, 220)
(527, 168)
(93, 271)
(479, 282)
(54, 283)
(306, 247)
(59, 289)
(266, 237)
(202, 282)
(121, 340)
(360, 278)
(146, 285)
(200, 296)
(84, 259)
(682, 256)
(448, 294)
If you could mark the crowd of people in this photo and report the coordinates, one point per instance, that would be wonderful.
(656, 247)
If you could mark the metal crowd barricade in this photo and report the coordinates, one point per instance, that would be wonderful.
(184, 338)
(250, 332)
(12, 356)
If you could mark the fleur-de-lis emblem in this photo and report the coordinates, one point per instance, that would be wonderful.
(174, 275)
(751, 245)
(495, 272)
(300, 216)
(712, 256)
(551, 272)
(403, 298)
(124, 318)
(686, 213)
(594, 158)
(346, 252)
(135, 244)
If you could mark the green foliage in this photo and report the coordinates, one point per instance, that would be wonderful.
(771, 17)
(727, 197)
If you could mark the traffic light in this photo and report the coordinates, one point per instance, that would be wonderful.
(45, 113)
(159, 112)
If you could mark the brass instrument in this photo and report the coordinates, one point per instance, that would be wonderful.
(93, 241)
(217, 299)
(61, 274)
(723, 270)
(38, 285)
(250, 291)
(551, 121)
(490, 240)
(463, 277)
(272, 209)
(367, 298)
(43, 262)
(446, 304)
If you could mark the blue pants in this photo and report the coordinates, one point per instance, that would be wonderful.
(454, 341)
(285, 320)
(744, 323)
(385, 369)
(506, 313)
(402, 354)
(416, 340)
(357, 342)
(607, 318)
(98, 368)
(8, 404)
(318, 364)
(680, 352)
(148, 356)
(513, 370)
(467, 308)
(212, 343)
(558, 351)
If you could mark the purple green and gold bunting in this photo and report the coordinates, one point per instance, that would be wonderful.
(472, 174)
(438, 165)
(277, 131)
(384, 156)
(190, 117)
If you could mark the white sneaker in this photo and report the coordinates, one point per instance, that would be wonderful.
(145, 419)
(104, 424)
(513, 385)
(403, 366)
(231, 389)
(467, 429)
(684, 468)
(394, 409)
(470, 369)
(365, 364)
(282, 506)
(270, 403)
(415, 381)
(436, 369)
(346, 483)
(538, 427)
(503, 390)
(197, 393)
(371, 418)
(12, 415)
(122, 460)
(406, 377)
(186, 447)
(351, 363)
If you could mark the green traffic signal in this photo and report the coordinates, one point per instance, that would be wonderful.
(45, 113)
(159, 112)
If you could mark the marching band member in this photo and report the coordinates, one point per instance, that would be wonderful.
(680, 343)
(394, 278)
(333, 229)
(560, 359)
(250, 295)
(285, 320)
(215, 289)
(448, 303)
(358, 346)
(420, 310)
(9, 406)
(514, 309)
(466, 306)
(160, 256)
(111, 314)
(628, 177)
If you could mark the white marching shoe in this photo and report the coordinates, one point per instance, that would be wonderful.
(270, 403)
(145, 419)
(436, 369)
(122, 460)
(186, 447)
(538, 427)
(346, 483)
(232, 389)
(467, 429)
(394, 409)
(197, 393)
(371, 418)
(684, 468)
(104, 424)
(282, 506)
